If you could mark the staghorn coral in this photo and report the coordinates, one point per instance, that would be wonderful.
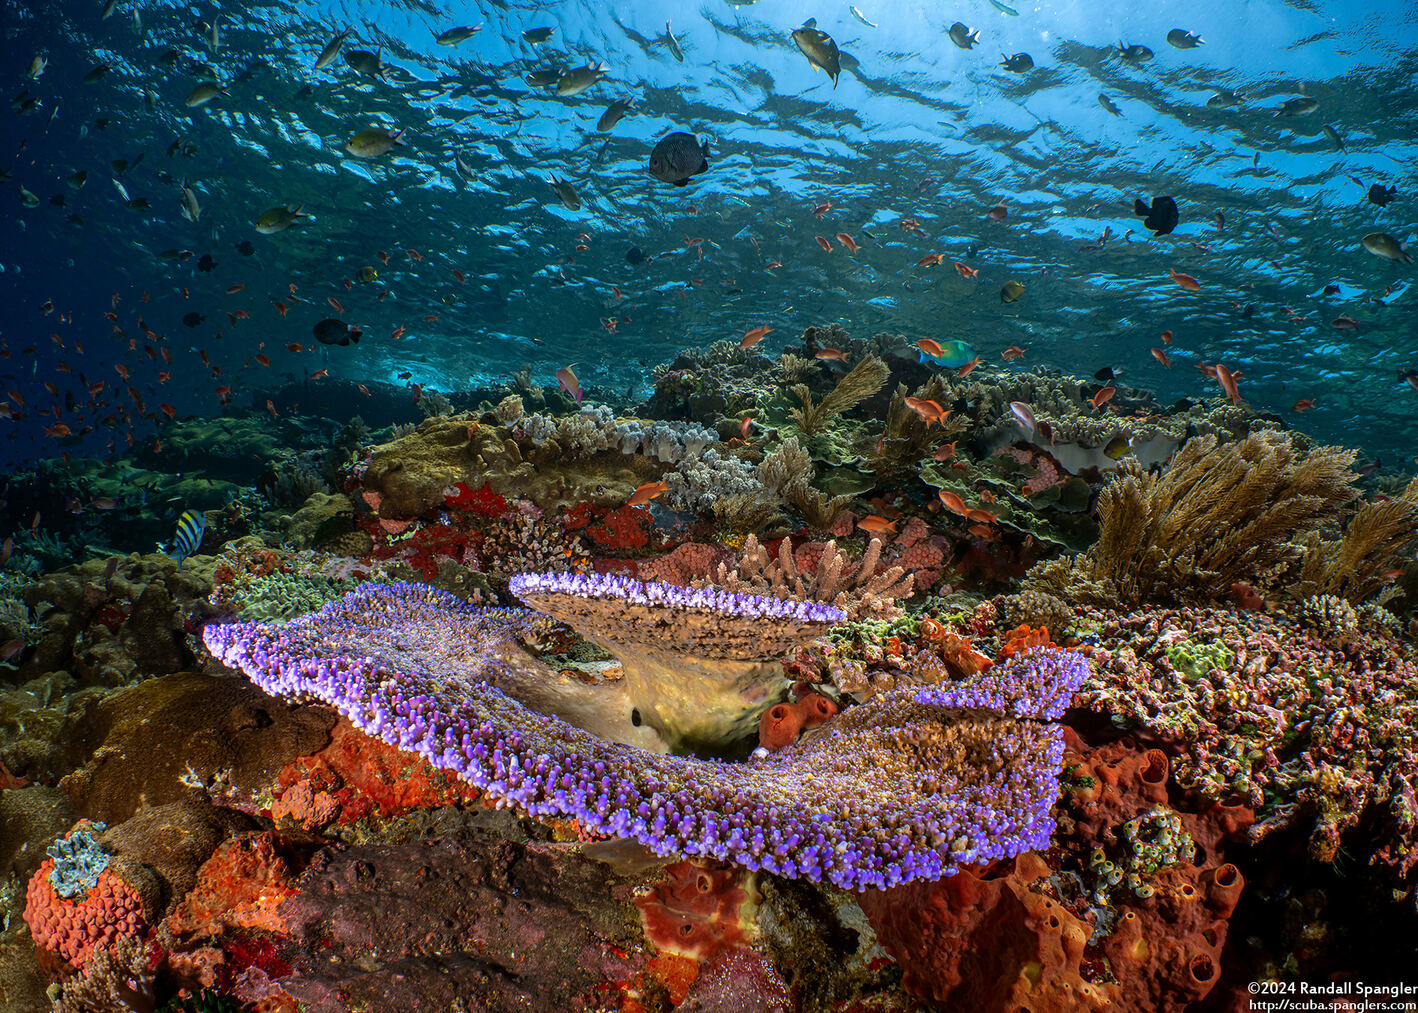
(1214, 517)
(865, 379)
(888, 792)
(860, 593)
(1354, 566)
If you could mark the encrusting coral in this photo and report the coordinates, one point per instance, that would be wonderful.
(1216, 516)
(889, 791)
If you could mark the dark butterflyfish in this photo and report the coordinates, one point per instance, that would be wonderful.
(331, 331)
(190, 529)
(193, 319)
(819, 48)
(677, 157)
(1105, 375)
(245, 248)
(206, 264)
(635, 255)
(1161, 217)
(1381, 195)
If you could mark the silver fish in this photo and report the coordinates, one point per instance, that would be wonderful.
(673, 43)
(614, 113)
(1298, 106)
(453, 36)
(332, 49)
(191, 209)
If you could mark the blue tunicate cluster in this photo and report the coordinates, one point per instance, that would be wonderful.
(78, 861)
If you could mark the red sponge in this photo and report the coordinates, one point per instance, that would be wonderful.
(74, 928)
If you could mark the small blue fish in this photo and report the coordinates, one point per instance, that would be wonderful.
(1006, 9)
(190, 529)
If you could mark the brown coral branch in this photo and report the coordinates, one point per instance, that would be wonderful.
(1216, 516)
(865, 379)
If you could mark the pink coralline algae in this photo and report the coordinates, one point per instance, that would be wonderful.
(889, 791)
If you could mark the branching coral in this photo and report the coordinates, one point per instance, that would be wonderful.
(1216, 516)
(889, 791)
(865, 379)
(859, 593)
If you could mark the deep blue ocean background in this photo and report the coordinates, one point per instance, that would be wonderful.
(916, 128)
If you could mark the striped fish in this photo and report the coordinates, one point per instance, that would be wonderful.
(190, 529)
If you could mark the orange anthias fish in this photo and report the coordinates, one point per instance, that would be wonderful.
(754, 336)
(335, 303)
(877, 525)
(969, 367)
(1166, 337)
(569, 383)
(1186, 281)
(848, 242)
(928, 410)
(1227, 379)
(930, 260)
(931, 347)
(952, 502)
(645, 493)
(743, 427)
(1161, 357)
(1011, 353)
(966, 272)
(1304, 405)
(58, 430)
(832, 353)
(825, 243)
(1103, 396)
(944, 452)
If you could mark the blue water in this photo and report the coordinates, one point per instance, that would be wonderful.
(916, 128)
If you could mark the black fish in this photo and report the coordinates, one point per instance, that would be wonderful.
(245, 248)
(635, 255)
(1381, 195)
(193, 319)
(677, 157)
(1161, 217)
(206, 264)
(1105, 374)
(1018, 63)
(335, 332)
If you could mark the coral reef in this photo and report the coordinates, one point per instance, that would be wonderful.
(893, 791)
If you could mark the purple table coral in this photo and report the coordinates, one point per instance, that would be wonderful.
(890, 791)
(699, 665)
